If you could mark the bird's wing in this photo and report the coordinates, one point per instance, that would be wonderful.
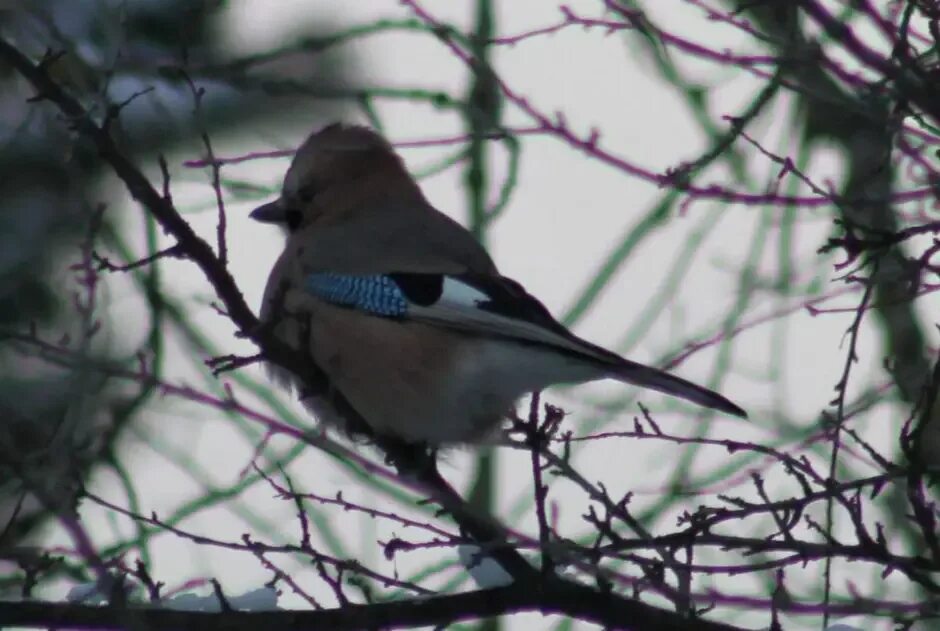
(493, 306)
(402, 237)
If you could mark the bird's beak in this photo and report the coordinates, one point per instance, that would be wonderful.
(272, 212)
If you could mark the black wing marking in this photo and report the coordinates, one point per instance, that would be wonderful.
(421, 289)
(508, 298)
(495, 294)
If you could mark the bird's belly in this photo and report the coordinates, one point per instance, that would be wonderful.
(492, 374)
(398, 375)
(423, 383)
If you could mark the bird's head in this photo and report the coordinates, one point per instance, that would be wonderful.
(335, 171)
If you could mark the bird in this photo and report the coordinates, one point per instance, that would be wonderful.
(405, 312)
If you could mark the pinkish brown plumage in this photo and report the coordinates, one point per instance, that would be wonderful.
(405, 311)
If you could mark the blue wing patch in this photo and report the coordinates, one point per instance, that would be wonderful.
(373, 293)
(389, 295)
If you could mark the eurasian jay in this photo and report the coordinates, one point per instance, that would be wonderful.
(406, 313)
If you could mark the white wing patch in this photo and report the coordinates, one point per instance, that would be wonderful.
(459, 307)
(457, 293)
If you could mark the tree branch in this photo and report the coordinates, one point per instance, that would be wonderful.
(549, 596)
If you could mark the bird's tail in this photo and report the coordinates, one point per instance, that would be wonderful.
(655, 379)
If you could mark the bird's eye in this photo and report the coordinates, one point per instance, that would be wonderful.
(306, 193)
(293, 218)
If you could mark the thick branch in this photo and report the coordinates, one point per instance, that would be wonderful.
(550, 597)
